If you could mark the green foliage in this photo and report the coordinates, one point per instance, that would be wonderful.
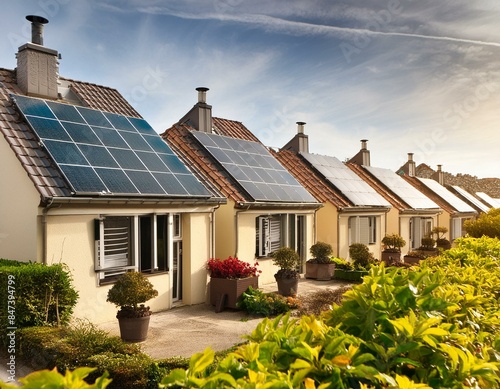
(43, 295)
(487, 224)
(287, 259)
(342, 264)
(84, 344)
(321, 252)
(393, 243)
(256, 302)
(130, 290)
(54, 380)
(428, 243)
(432, 327)
(361, 256)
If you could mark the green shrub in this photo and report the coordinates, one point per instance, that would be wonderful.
(43, 295)
(361, 257)
(393, 243)
(434, 327)
(55, 380)
(487, 224)
(288, 260)
(256, 302)
(342, 264)
(321, 252)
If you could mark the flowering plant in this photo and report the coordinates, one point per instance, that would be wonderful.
(232, 268)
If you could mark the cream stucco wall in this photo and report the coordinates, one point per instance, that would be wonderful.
(327, 226)
(375, 248)
(18, 209)
(225, 236)
(71, 240)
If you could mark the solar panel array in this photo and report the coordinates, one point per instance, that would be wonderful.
(105, 153)
(446, 195)
(409, 194)
(495, 203)
(254, 168)
(462, 192)
(345, 180)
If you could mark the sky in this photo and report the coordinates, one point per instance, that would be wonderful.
(410, 76)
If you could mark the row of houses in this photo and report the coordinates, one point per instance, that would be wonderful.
(87, 181)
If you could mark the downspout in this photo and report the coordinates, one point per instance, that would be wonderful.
(236, 224)
(44, 230)
(212, 231)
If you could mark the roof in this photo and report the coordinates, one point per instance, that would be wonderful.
(311, 180)
(469, 198)
(46, 173)
(396, 190)
(181, 137)
(446, 200)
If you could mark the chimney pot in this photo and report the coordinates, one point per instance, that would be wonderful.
(37, 23)
(363, 144)
(410, 157)
(300, 127)
(202, 94)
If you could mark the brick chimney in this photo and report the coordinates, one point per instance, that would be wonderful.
(200, 116)
(37, 66)
(363, 155)
(300, 142)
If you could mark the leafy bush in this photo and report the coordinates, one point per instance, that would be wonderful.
(43, 295)
(361, 256)
(434, 327)
(130, 290)
(231, 268)
(287, 259)
(256, 302)
(393, 243)
(321, 252)
(55, 380)
(487, 224)
(342, 264)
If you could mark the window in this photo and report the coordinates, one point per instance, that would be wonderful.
(457, 225)
(362, 229)
(420, 227)
(275, 231)
(135, 242)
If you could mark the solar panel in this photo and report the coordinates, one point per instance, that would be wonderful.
(446, 195)
(345, 180)
(408, 193)
(495, 203)
(254, 168)
(462, 192)
(100, 152)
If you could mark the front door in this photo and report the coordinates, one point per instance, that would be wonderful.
(176, 258)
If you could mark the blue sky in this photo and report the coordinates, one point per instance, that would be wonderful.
(410, 76)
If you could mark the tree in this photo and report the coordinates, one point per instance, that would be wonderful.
(488, 224)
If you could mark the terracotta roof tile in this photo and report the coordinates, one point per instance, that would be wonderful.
(233, 129)
(309, 179)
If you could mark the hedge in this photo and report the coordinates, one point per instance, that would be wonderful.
(34, 294)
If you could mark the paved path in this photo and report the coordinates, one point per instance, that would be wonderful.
(185, 330)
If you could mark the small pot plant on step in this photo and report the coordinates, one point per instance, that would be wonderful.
(392, 248)
(441, 241)
(321, 266)
(129, 293)
(287, 277)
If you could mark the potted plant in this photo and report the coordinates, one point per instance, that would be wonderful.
(414, 257)
(362, 259)
(342, 268)
(321, 266)
(229, 278)
(287, 277)
(392, 248)
(441, 241)
(129, 293)
(427, 246)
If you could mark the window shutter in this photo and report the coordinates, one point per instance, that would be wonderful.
(416, 232)
(113, 247)
(456, 228)
(274, 234)
(364, 230)
(353, 227)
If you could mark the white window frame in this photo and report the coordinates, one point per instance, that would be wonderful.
(125, 257)
(269, 234)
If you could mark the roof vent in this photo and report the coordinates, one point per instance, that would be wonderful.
(37, 23)
(202, 94)
(300, 127)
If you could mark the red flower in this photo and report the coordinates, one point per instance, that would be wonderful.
(231, 268)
